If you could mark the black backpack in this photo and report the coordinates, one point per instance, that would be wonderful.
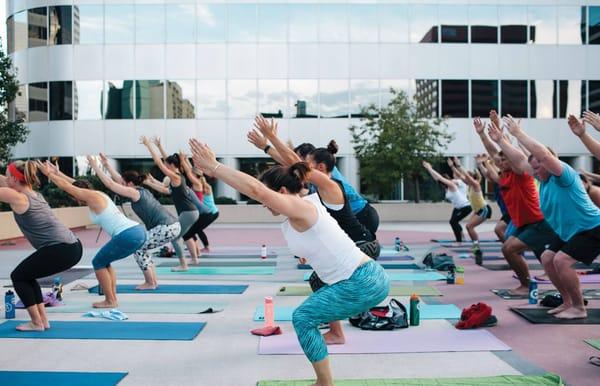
(388, 317)
(441, 262)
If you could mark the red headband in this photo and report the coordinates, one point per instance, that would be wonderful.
(16, 173)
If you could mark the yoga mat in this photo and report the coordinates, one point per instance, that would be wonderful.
(232, 255)
(448, 241)
(428, 311)
(541, 316)
(165, 271)
(582, 279)
(508, 380)
(595, 343)
(406, 276)
(218, 263)
(394, 258)
(494, 256)
(134, 306)
(180, 289)
(384, 265)
(59, 378)
(506, 267)
(105, 329)
(587, 294)
(394, 291)
(429, 336)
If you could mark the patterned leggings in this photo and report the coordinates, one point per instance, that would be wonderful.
(156, 237)
(366, 288)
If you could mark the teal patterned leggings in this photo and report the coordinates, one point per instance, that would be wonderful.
(366, 288)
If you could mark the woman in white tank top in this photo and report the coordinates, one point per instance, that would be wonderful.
(354, 281)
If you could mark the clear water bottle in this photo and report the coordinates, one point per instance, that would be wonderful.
(9, 305)
(263, 252)
(269, 312)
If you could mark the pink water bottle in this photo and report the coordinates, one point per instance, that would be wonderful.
(269, 312)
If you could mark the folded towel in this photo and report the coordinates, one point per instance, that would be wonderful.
(113, 314)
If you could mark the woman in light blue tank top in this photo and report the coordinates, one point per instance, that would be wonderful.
(127, 236)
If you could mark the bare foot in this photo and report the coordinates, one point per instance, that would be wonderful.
(572, 313)
(518, 291)
(333, 339)
(30, 326)
(195, 262)
(179, 268)
(558, 309)
(205, 250)
(146, 286)
(105, 304)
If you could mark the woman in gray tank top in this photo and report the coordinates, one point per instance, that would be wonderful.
(56, 247)
(162, 227)
(188, 214)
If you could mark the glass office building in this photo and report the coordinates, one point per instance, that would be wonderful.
(95, 75)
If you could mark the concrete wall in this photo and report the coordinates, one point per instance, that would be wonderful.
(230, 214)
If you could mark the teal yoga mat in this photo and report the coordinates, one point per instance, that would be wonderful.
(123, 330)
(165, 271)
(224, 263)
(196, 289)
(384, 265)
(405, 276)
(59, 378)
(428, 311)
(155, 306)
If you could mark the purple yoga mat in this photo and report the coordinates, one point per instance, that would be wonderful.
(394, 258)
(582, 279)
(430, 336)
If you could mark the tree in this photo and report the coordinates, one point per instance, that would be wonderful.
(391, 142)
(12, 131)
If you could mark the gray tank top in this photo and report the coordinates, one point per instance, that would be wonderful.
(40, 226)
(181, 200)
(150, 211)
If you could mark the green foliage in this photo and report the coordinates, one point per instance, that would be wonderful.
(12, 132)
(391, 142)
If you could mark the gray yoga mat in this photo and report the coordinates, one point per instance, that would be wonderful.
(541, 316)
(589, 294)
(135, 306)
(219, 263)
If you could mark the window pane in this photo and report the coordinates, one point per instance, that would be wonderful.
(18, 24)
(571, 97)
(149, 99)
(61, 101)
(211, 102)
(334, 98)
(272, 97)
(18, 107)
(393, 23)
(149, 24)
(87, 100)
(181, 23)
(571, 25)
(514, 97)
(397, 84)
(453, 21)
(10, 35)
(242, 98)
(273, 22)
(212, 22)
(423, 23)
(484, 97)
(484, 23)
(363, 93)
(542, 96)
(37, 26)
(363, 22)
(242, 23)
(426, 97)
(60, 25)
(181, 98)
(594, 95)
(118, 95)
(303, 98)
(513, 24)
(303, 23)
(119, 24)
(333, 23)
(38, 102)
(88, 22)
(594, 25)
(542, 25)
(455, 98)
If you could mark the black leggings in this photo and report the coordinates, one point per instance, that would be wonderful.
(199, 226)
(457, 215)
(44, 262)
(369, 217)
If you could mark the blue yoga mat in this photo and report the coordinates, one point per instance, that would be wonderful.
(165, 271)
(384, 265)
(59, 378)
(107, 330)
(405, 276)
(428, 311)
(180, 289)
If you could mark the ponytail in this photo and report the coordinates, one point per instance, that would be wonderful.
(292, 177)
(134, 177)
(174, 160)
(25, 172)
(326, 155)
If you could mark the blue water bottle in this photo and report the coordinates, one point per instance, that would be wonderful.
(9, 305)
(397, 243)
(533, 292)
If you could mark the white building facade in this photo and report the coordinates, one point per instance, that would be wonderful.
(96, 74)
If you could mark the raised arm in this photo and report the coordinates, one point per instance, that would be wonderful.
(269, 130)
(289, 205)
(260, 142)
(578, 128)
(488, 170)
(464, 175)
(151, 182)
(62, 175)
(592, 177)
(540, 152)
(121, 190)
(156, 141)
(189, 172)
(490, 148)
(114, 174)
(438, 177)
(174, 177)
(517, 159)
